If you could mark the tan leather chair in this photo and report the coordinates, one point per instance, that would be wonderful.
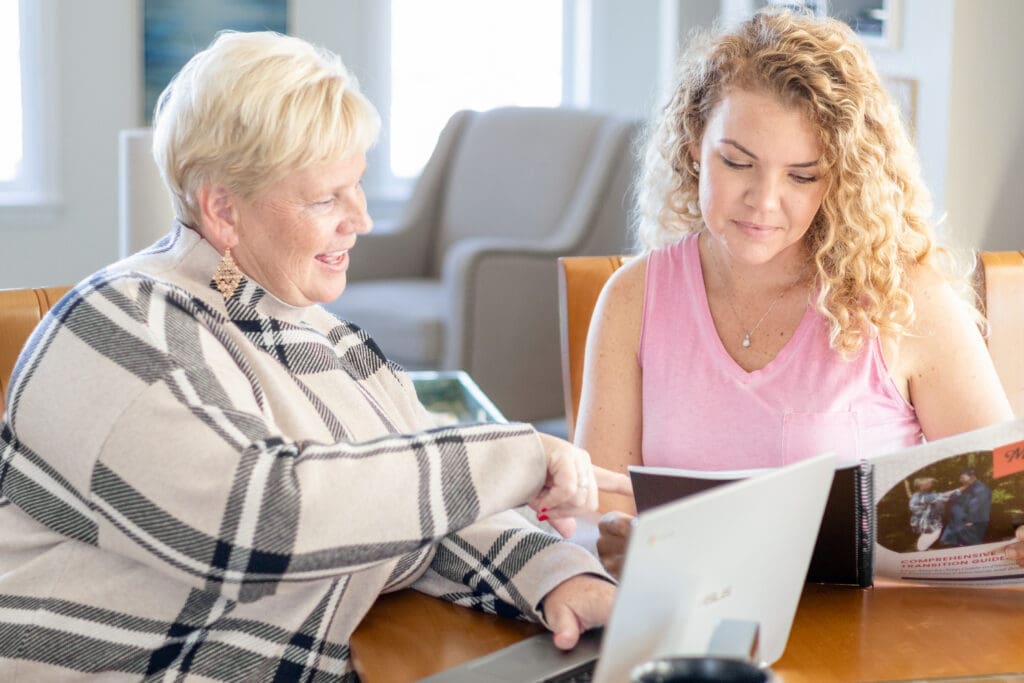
(999, 280)
(1000, 285)
(20, 311)
(580, 281)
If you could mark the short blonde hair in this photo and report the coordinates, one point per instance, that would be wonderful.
(251, 108)
(872, 227)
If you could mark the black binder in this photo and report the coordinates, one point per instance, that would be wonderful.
(844, 551)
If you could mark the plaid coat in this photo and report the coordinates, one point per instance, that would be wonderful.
(199, 490)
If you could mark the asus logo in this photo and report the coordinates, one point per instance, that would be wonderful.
(715, 596)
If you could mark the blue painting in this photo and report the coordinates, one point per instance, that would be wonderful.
(174, 30)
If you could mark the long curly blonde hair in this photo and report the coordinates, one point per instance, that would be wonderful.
(873, 222)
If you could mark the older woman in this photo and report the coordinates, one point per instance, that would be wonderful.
(206, 475)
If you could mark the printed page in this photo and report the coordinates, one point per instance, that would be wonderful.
(946, 509)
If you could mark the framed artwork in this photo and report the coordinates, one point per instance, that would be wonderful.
(816, 7)
(877, 22)
(174, 30)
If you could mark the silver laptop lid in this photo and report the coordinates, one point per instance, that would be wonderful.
(737, 552)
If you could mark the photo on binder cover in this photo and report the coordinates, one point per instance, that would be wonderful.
(946, 509)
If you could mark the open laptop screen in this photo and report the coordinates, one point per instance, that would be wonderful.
(739, 552)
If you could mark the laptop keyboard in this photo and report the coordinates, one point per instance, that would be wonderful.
(584, 673)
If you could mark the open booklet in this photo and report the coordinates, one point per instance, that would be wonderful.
(937, 513)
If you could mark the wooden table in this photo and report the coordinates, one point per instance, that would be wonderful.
(888, 632)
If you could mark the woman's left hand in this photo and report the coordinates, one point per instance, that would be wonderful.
(575, 605)
(614, 528)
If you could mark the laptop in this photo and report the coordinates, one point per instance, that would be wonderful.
(733, 555)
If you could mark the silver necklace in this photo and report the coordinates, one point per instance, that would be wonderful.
(746, 337)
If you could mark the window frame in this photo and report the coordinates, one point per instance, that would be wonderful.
(37, 183)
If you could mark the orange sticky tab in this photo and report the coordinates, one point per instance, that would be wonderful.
(1007, 459)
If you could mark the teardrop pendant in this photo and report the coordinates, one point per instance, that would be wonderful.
(746, 341)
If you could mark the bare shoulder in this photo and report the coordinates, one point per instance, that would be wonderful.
(944, 320)
(952, 382)
(937, 305)
(925, 282)
(625, 288)
(632, 275)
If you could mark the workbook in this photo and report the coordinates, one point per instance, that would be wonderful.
(939, 513)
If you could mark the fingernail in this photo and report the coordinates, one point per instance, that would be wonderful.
(542, 518)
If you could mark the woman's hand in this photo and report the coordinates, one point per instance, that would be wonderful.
(571, 486)
(1015, 551)
(575, 605)
(614, 528)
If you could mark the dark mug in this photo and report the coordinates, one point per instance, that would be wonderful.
(699, 670)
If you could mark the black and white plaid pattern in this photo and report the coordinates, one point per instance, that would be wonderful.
(193, 488)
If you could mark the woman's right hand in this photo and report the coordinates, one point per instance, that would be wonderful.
(614, 528)
(571, 485)
(1015, 551)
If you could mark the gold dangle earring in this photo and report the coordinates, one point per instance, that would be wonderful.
(227, 276)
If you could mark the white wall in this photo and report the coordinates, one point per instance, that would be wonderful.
(336, 25)
(985, 190)
(923, 53)
(625, 62)
(634, 47)
(964, 54)
(97, 66)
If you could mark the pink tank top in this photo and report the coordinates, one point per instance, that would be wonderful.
(703, 411)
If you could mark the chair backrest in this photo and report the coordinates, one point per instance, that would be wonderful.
(580, 281)
(534, 174)
(20, 312)
(999, 281)
(1000, 285)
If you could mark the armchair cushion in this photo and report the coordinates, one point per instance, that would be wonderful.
(406, 317)
(386, 254)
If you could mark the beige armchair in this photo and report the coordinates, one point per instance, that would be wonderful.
(467, 279)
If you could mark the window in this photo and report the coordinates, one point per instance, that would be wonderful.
(26, 79)
(447, 55)
(11, 142)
